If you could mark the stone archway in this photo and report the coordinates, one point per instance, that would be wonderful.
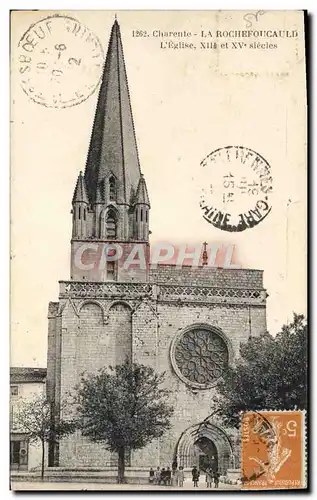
(208, 440)
(206, 454)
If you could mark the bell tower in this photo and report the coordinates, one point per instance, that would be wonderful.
(110, 205)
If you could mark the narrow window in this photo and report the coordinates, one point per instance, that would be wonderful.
(136, 215)
(146, 215)
(79, 213)
(14, 390)
(84, 214)
(111, 225)
(15, 452)
(141, 214)
(112, 189)
(111, 271)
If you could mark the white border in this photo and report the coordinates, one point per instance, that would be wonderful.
(310, 5)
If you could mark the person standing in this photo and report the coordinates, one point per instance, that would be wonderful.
(209, 478)
(157, 475)
(216, 479)
(163, 476)
(180, 477)
(174, 465)
(151, 476)
(174, 477)
(168, 476)
(195, 475)
(174, 472)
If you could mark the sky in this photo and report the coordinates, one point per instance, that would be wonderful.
(186, 104)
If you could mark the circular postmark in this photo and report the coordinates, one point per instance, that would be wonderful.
(60, 62)
(235, 184)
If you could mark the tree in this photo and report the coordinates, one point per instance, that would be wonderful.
(34, 417)
(123, 407)
(271, 373)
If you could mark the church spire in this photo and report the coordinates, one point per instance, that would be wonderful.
(113, 148)
(80, 194)
(142, 196)
(111, 201)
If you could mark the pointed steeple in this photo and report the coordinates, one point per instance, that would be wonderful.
(80, 194)
(142, 194)
(111, 201)
(113, 145)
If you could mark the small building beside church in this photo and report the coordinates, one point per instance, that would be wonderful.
(25, 385)
(186, 321)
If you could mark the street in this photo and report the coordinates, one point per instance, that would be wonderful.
(62, 486)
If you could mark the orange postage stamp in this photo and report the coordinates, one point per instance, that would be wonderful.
(273, 450)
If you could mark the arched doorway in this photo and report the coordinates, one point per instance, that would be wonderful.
(207, 453)
(204, 444)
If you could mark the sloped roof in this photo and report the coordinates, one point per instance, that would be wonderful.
(142, 194)
(80, 193)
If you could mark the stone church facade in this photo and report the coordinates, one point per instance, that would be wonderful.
(186, 321)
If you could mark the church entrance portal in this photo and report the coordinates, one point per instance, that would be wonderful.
(206, 452)
(205, 445)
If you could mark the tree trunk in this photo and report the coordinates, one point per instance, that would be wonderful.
(43, 460)
(121, 465)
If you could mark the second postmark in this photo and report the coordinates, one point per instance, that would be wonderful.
(236, 187)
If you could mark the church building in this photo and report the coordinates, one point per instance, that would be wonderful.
(186, 321)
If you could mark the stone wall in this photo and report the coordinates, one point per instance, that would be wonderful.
(89, 263)
(209, 276)
(90, 342)
(100, 324)
(191, 406)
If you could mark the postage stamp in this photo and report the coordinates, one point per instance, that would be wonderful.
(273, 450)
(60, 62)
(236, 184)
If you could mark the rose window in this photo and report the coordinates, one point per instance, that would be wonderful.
(201, 356)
